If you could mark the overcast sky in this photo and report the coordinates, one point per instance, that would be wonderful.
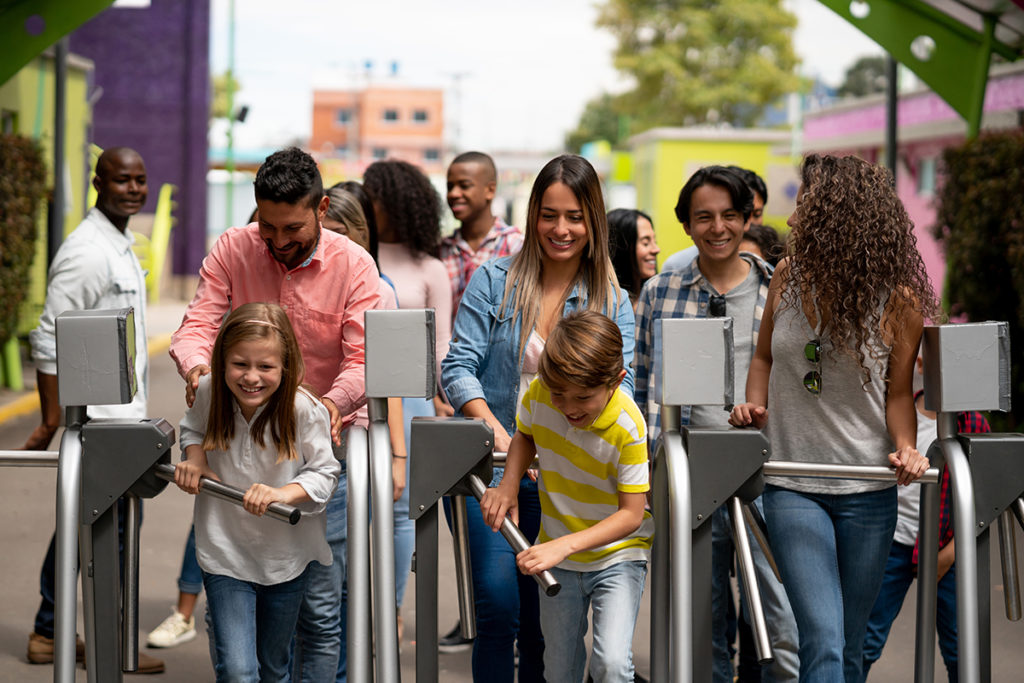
(526, 68)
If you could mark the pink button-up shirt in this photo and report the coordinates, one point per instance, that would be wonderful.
(325, 301)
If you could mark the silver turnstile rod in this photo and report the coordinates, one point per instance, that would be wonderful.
(130, 583)
(1008, 560)
(745, 559)
(359, 625)
(964, 529)
(1017, 507)
(516, 539)
(69, 491)
(774, 468)
(29, 458)
(680, 557)
(385, 610)
(463, 567)
(212, 487)
(756, 524)
(927, 580)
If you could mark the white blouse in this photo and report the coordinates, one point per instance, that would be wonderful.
(233, 542)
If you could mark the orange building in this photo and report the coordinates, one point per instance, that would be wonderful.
(354, 128)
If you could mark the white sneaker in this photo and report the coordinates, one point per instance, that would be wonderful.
(172, 631)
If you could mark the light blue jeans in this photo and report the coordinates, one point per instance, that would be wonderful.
(614, 593)
(831, 551)
(319, 652)
(252, 626)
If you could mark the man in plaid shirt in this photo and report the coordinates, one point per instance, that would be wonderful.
(715, 208)
(472, 181)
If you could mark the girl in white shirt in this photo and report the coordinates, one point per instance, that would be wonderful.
(251, 422)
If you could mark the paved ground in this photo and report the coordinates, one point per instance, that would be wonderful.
(28, 520)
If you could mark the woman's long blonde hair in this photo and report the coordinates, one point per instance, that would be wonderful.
(256, 322)
(596, 274)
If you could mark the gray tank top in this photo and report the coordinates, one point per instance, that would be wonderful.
(843, 424)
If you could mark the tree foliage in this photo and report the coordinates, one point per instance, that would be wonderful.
(600, 120)
(220, 84)
(865, 76)
(981, 221)
(22, 189)
(693, 61)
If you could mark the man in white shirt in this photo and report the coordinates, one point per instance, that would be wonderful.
(94, 269)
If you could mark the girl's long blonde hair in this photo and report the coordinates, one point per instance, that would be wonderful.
(256, 322)
(596, 274)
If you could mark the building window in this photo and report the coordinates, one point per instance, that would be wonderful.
(420, 116)
(431, 154)
(343, 117)
(926, 177)
(390, 115)
(380, 153)
(341, 151)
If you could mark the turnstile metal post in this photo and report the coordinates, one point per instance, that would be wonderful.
(1008, 560)
(383, 531)
(69, 487)
(463, 567)
(358, 626)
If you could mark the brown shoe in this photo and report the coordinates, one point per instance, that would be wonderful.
(40, 649)
(148, 665)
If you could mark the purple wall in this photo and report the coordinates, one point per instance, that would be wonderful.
(153, 66)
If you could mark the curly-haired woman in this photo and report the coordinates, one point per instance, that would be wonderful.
(831, 381)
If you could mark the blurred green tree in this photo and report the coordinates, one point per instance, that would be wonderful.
(865, 76)
(695, 62)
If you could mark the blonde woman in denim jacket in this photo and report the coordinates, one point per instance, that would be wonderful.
(563, 267)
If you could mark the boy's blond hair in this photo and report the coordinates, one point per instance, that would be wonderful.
(584, 349)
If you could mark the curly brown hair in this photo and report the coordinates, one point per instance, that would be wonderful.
(412, 205)
(853, 251)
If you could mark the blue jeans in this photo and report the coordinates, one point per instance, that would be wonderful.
(614, 592)
(899, 574)
(252, 626)
(504, 615)
(319, 651)
(721, 597)
(831, 551)
(191, 578)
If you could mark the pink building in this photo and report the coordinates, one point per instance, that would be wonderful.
(927, 125)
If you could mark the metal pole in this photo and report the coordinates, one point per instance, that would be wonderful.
(358, 639)
(756, 524)
(29, 458)
(385, 610)
(130, 592)
(229, 160)
(829, 471)
(969, 652)
(426, 595)
(746, 571)
(1017, 507)
(660, 586)
(211, 487)
(891, 124)
(516, 538)
(680, 506)
(927, 580)
(69, 490)
(463, 567)
(1008, 558)
(56, 222)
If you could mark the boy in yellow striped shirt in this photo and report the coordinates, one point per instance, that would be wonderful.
(595, 535)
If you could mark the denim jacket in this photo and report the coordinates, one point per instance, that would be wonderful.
(483, 359)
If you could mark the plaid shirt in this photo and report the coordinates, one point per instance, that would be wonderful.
(966, 423)
(676, 294)
(461, 261)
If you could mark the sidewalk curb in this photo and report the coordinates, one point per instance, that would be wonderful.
(29, 402)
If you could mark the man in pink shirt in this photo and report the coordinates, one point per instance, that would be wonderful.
(326, 283)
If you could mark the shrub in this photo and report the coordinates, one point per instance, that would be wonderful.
(22, 188)
(981, 221)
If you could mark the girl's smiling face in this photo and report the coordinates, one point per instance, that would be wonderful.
(252, 371)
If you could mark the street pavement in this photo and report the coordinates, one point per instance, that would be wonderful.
(28, 521)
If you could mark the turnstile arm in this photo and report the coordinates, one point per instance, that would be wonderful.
(212, 487)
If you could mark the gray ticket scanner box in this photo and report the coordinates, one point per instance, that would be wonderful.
(967, 367)
(399, 355)
(697, 369)
(96, 357)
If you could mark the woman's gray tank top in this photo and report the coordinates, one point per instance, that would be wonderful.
(844, 424)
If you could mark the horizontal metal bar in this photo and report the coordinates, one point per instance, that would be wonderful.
(28, 458)
(829, 471)
(210, 487)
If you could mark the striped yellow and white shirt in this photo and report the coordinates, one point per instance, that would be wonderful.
(582, 471)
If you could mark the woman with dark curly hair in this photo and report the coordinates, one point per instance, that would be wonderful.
(831, 382)
(408, 214)
(634, 249)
